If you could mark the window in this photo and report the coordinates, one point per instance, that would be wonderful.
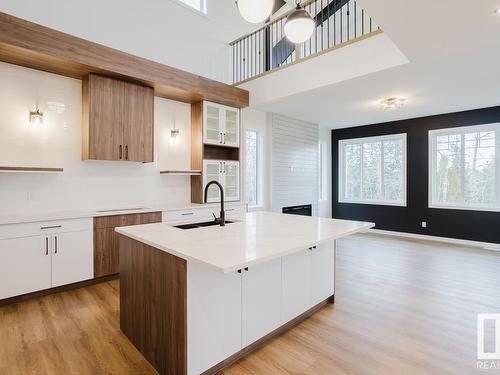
(373, 170)
(464, 168)
(199, 5)
(252, 167)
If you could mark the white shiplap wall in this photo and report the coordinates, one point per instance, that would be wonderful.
(294, 163)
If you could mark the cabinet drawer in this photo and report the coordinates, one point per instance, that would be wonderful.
(125, 220)
(186, 215)
(44, 228)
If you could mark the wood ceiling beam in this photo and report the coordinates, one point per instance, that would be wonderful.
(38, 47)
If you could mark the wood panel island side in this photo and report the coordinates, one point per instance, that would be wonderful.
(194, 301)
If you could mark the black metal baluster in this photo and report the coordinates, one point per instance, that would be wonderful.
(355, 20)
(362, 22)
(348, 20)
(334, 27)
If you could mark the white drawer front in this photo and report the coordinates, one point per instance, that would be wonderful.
(185, 215)
(196, 214)
(44, 228)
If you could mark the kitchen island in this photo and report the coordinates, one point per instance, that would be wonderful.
(193, 301)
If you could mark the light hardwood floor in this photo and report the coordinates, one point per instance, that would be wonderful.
(401, 307)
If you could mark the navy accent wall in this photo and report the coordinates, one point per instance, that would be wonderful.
(462, 224)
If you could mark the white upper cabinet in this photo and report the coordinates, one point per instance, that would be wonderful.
(227, 173)
(322, 266)
(221, 125)
(261, 300)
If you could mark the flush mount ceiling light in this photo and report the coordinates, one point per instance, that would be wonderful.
(299, 25)
(390, 104)
(36, 118)
(255, 11)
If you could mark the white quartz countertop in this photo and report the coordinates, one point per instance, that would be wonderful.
(32, 217)
(255, 238)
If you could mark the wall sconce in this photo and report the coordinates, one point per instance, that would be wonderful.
(36, 118)
(174, 133)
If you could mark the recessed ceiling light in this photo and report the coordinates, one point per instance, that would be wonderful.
(497, 11)
(392, 103)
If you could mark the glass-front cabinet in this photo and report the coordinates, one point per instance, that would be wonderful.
(221, 125)
(227, 173)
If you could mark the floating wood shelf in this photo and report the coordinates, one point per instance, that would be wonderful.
(182, 173)
(38, 47)
(30, 170)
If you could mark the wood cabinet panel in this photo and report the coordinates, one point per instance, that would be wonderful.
(138, 134)
(118, 120)
(103, 108)
(106, 252)
(153, 305)
(106, 240)
(124, 220)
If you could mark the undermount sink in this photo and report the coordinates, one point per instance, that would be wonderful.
(200, 225)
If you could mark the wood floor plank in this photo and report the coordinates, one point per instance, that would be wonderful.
(401, 307)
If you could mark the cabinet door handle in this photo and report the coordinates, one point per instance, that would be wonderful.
(55, 244)
(220, 137)
(220, 167)
(121, 152)
(51, 227)
(224, 138)
(126, 152)
(239, 271)
(46, 245)
(187, 214)
(224, 163)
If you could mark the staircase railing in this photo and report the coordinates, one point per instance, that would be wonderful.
(337, 22)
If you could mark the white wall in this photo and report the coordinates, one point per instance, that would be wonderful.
(294, 163)
(160, 30)
(90, 184)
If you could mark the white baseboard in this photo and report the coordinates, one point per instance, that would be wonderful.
(483, 245)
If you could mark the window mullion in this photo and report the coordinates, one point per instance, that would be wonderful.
(462, 168)
(362, 192)
(497, 165)
(382, 186)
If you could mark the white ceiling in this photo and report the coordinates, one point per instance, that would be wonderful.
(454, 51)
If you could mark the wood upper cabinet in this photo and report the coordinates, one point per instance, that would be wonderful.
(117, 120)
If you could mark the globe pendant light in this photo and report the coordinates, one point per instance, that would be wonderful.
(255, 11)
(299, 25)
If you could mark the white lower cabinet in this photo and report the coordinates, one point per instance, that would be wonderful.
(228, 312)
(25, 265)
(72, 257)
(61, 254)
(213, 317)
(296, 290)
(261, 300)
(322, 275)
